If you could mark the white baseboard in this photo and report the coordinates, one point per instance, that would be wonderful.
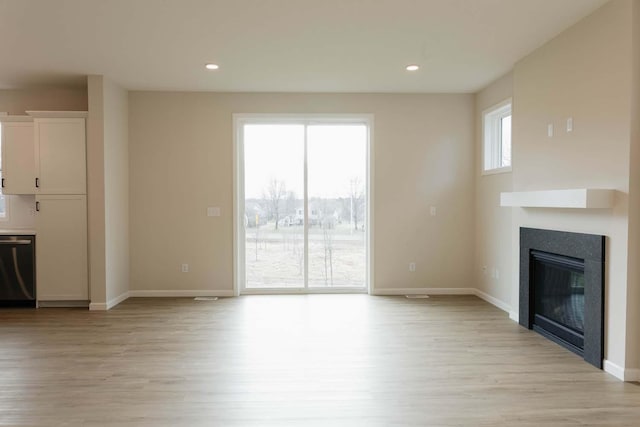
(447, 291)
(424, 291)
(515, 316)
(493, 300)
(117, 300)
(102, 306)
(157, 294)
(624, 374)
(180, 293)
(229, 293)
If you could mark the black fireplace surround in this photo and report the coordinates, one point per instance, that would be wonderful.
(562, 289)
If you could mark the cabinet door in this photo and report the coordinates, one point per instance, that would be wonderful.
(61, 156)
(18, 158)
(61, 248)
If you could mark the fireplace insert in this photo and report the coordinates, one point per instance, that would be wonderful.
(558, 295)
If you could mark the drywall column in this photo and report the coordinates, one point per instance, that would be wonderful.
(116, 191)
(633, 260)
(108, 192)
(95, 193)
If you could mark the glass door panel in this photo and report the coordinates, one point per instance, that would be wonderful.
(336, 185)
(273, 206)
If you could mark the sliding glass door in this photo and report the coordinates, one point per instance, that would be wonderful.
(273, 194)
(336, 177)
(302, 205)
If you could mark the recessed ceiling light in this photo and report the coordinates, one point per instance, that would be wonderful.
(212, 66)
(412, 67)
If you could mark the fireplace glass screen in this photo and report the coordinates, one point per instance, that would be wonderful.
(559, 296)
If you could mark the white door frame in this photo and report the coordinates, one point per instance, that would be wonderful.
(239, 120)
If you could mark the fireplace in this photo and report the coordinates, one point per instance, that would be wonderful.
(562, 289)
(558, 294)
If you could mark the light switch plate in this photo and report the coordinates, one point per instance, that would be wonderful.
(213, 211)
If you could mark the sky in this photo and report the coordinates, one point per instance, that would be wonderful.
(336, 156)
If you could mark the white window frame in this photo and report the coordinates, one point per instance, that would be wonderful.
(492, 137)
(239, 120)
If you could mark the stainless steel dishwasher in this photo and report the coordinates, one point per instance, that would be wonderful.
(17, 271)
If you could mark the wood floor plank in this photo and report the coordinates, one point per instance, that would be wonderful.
(314, 360)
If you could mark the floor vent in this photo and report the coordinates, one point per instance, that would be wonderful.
(416, 296)
(205, 299)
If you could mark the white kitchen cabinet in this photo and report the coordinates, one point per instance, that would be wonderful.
(61, 248)
(18, 155)
(60, 155)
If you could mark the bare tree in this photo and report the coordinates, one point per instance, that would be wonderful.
(327, 234)
(356, 195)
(298, 249)
(275, 193)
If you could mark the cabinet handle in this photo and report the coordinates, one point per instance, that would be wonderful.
(37, 206)
(2, 182)
(37, 182)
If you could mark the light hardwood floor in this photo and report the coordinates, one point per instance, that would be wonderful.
(321, 360)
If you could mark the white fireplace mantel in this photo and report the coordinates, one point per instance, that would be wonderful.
(577, 198)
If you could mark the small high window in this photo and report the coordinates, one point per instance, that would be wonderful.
(497, 138)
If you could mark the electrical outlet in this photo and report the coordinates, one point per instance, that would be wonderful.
(484, 270)
(185, 268)
(433, 211)
(412, 267)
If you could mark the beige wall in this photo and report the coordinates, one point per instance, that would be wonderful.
(633, 296)
(493, 223)
(43, 99)
(181, 150)
(116, 189)
(584, 73)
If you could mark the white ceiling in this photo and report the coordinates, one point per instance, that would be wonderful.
(276, 45)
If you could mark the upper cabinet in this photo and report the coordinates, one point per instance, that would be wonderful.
(60, 148)
(44, 153)
(18, 155)
(60, 152)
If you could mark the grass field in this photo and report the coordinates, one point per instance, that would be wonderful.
(275, 258)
